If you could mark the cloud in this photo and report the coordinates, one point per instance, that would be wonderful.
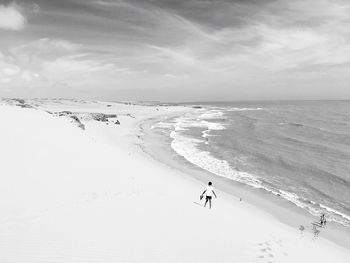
(8, 70)
(51, 63)
(283, 38)
(33, 54)
(11, 72)
(11, 17)
(46, 46)
(248, 36)
(220, 46)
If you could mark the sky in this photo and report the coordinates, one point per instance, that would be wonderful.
(175, 50)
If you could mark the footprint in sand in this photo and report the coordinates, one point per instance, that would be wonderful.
(266, 252)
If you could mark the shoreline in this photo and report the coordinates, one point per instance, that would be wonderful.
(158, 147)
(106, 200)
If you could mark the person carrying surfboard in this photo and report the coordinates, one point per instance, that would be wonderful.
(209, 192)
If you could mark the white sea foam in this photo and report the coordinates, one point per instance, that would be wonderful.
(212, 125)
(314, 209)
(183, 123)
(213, 114)
(345, 216)
(187, 148)
(206, 134)
(162, 125)
(243, 109)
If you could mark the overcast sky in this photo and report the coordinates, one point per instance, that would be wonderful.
(175, 50)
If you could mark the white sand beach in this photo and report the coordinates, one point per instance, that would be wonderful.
(74, 195)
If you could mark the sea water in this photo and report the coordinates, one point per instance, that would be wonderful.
(299, 151)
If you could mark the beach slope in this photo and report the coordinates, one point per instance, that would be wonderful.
(76, 187)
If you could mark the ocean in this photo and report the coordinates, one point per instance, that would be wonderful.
(298, 151)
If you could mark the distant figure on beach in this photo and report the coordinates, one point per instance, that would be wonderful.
(323, 220)
(209, 192)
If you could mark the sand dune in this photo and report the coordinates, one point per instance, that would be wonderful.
(73, 195)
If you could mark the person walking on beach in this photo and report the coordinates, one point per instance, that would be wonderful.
(209, 192)
(323, 220)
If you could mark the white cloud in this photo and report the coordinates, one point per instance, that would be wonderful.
(55, 44)
(27, 75)
(7, 69)
(11, 17)
(51, 62)
(143, 45)
(46, 46)
(11, 71)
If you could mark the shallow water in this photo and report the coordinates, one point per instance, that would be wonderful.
(299, 151)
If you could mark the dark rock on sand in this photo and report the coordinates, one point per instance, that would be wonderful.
(102, 116)
(73, 117)
(99, 117)
(78, 122)
(22, 103)
(65, 113)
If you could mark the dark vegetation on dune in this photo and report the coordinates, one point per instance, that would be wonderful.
(76, 117)
(18, 102)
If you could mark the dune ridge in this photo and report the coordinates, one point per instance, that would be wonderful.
(74, 195)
